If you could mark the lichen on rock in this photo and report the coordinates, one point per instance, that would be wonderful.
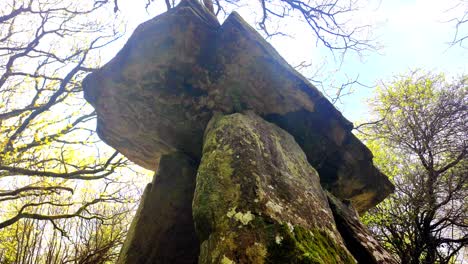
(186, 91)
(306, 246)
(244, 218)
(237, 202)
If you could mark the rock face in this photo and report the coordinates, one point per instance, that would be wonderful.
(357, 238)
(258, 200)
(158, 94)
(162, 230)
(146, 96)
(216, 107)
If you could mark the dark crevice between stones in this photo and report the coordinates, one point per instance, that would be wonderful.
(191, 67)
(357, 250)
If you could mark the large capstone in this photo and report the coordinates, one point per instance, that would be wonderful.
(178, 69)
(258, 200)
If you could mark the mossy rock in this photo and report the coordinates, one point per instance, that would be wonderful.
(301, 246)
(252, 182)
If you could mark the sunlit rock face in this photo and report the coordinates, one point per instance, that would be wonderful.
(273, 142)
(147, 97)
(157, 95)
(258, 200)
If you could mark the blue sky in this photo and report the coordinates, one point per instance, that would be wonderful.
(412, 34)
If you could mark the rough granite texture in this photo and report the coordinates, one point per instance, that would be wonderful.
(258, 200)
(243, 145)
(358, 239)
(162, 230)
(158, 94)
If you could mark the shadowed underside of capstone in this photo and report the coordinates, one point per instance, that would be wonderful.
(159, 92)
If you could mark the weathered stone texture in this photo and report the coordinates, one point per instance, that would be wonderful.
(358, 239)
(258, 200)
(162, 230)
(272, 144)
(147, 96)
(158, 94)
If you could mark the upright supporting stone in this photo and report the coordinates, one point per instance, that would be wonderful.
(258, 200)
(358, 239)
(162, 230)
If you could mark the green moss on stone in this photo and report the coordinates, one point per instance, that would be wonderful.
(256, 253)
(304, 246)
(214, 174)
(236, 228)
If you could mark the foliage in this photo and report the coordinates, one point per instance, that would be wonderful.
(77, 241)
(48, 150)
(61, 196)
(420, 141)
